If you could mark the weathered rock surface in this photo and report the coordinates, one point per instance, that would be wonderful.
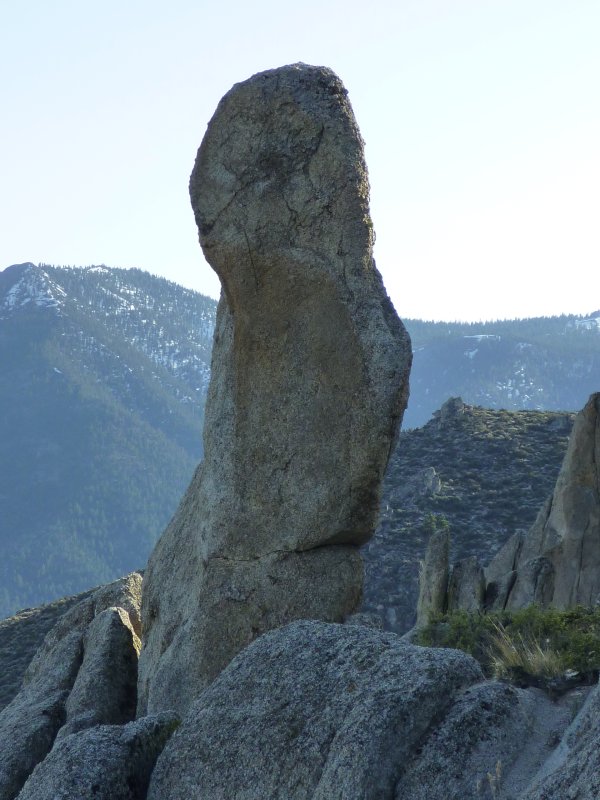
(105, 690)
(30, 723)
(107, 762)
(573, 770)
(308, 384)
(312, 711)
(466, 586)
(125, 593)
(433, 580)
(20, 638)
(490, 743)
(558, 561)
(238, 600)
(495, 470)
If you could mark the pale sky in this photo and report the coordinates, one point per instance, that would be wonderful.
(481, 120)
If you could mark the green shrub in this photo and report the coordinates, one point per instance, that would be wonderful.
(539, 642)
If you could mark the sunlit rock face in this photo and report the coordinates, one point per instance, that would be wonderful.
(309, 383)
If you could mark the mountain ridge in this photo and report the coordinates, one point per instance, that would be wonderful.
(102, 384)
(100, 423)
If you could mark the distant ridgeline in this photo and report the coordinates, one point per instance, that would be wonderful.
(103, 375)
(103, 378)
(546, 363)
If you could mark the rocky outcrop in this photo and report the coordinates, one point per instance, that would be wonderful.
(57, 682)
(105, 690)
(311, 711)
(489, 744)
(433, 580)
(443, 588)
(466, 586)
(450, 411)
(20, 637)
(308, 386)
(30, 723)
(490, 473)
(106, 762)
(572, 772)
(314, 711)
(558, 562)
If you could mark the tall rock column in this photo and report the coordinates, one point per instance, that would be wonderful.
(309, 383)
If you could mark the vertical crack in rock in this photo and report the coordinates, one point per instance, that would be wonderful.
(309, 383)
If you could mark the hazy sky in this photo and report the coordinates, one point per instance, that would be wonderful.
(481, 120)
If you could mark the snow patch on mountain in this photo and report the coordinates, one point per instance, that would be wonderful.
(590, 324)
(33, 287)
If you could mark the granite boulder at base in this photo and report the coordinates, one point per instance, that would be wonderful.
(308, 386)
(311, 711)
(106, 762)
(573, 770)
(316, 711)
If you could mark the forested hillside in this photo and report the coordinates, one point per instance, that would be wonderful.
(103, 377)
(548, 363)
(102, 384)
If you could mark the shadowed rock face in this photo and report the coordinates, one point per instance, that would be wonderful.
(309, 383)
(558, 562)
(83, 674)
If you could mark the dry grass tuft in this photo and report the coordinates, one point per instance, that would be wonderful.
(509, 652)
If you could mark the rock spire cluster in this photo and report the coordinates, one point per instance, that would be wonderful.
(556, 563)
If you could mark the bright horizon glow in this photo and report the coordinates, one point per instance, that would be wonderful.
(481, 120)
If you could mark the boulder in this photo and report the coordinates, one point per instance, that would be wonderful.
(488, 745)
(21, 636)
(105, 690)
(315, 711)
(573, 770)
(125, 593)
(532, 582)
(107, 762)
(309, 382)
(500, 574)
(238, 600)
(452, 409)
(30, 724)
(312, 711)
